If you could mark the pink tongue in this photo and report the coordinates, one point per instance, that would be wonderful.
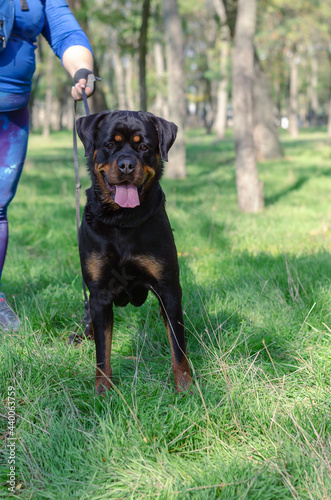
(126, 196)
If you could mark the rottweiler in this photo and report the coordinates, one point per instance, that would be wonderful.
(126, 244)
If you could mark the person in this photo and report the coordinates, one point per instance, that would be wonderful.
(54, 20)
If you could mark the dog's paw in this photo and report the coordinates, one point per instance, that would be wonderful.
(184, 384)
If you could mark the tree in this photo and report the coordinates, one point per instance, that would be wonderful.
(249, 189)
(293, 127)
(118, 69)
(297, 32)
(313, 90)
(329, 117)
(266, 140)
(161, 102)
(222, 88)
(176, 168)
(49, 94)
(142, 55)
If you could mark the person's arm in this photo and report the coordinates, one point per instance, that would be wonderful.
(68, 41)
(73, 59)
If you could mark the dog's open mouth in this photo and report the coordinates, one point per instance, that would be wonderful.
(126, 195)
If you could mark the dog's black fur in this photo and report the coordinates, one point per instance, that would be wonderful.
(128, 250)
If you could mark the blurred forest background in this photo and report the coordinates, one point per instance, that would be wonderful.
(195, 63)
(242, 79)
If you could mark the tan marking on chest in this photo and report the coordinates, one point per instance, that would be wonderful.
(149, 264)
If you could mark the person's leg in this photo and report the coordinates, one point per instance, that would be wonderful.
(3, 238)
(14, 132)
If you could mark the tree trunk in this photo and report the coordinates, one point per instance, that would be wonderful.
(266, 139)
(249, 189)
(49, 94)
(313, 95)
(56, 115)
(161, 104)
(293, 112)
(67, 116)
(222, 89)
(97, 102)
(128, 82)
(119, 73)
(176, 167)
(329, 119)
(142, 56)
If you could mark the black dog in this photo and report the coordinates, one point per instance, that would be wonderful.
(126, 244)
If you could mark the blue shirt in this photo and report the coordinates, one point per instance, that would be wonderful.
(54, 20)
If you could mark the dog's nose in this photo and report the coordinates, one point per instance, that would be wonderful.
(126, 165)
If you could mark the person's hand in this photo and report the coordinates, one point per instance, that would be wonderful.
(76, 91)
(83, 79)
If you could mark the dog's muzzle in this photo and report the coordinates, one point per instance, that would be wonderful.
(126, 165)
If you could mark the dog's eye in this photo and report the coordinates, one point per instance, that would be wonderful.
(110, 145)
(143, 147)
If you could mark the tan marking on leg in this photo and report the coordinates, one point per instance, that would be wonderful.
(90, 334)
(150, 264)
(103, 377)
(94, 265)
(182, 372)
(94, 154)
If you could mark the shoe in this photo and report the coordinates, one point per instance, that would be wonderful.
(8, 319)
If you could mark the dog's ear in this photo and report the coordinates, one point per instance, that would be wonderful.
(166, 131)
(86, 129)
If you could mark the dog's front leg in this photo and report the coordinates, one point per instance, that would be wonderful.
(102, 320)
(171, 309)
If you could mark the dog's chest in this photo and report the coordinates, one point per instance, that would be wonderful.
(125, 278)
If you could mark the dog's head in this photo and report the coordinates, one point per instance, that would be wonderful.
(126, 149)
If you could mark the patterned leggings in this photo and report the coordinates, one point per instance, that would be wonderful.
(14, 132)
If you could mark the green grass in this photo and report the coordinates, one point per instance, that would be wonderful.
(256, 304)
